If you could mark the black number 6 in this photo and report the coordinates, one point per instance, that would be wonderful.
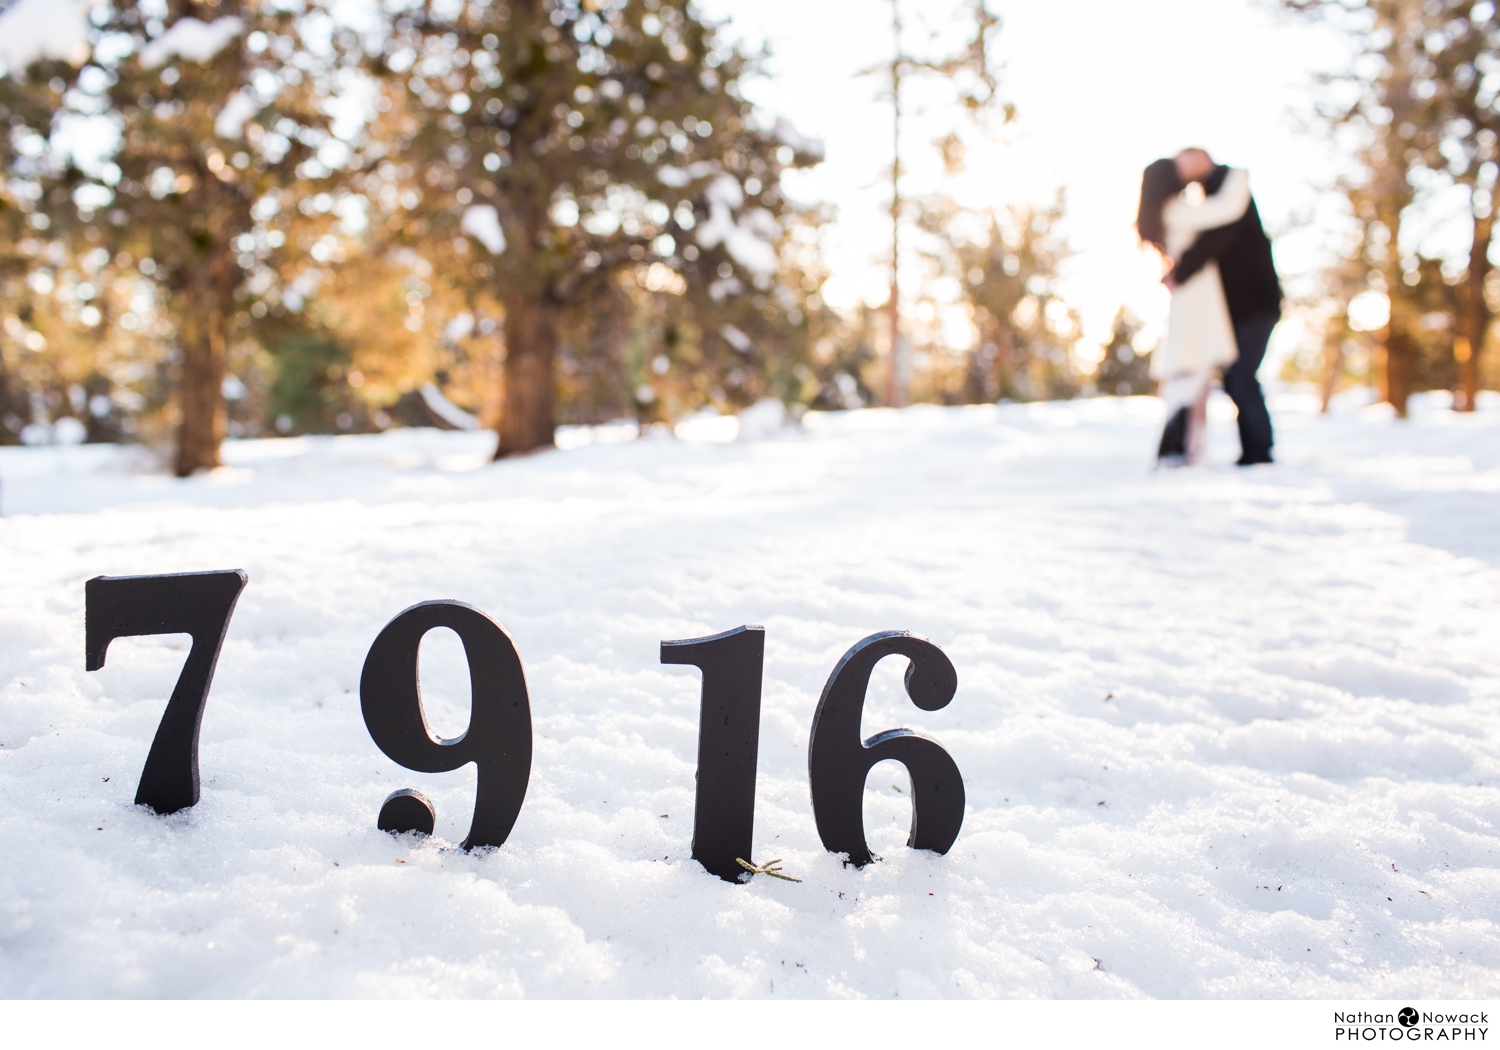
(498, 740)
(837, 763)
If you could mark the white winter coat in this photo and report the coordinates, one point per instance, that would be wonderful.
(1199, 335)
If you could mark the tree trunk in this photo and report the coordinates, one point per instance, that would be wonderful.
(200, 389)
(1004, 364)
(1474, 325)
(1333, 361)
(1400, 352)
(13, 408)
(205, 306)
(527, 420)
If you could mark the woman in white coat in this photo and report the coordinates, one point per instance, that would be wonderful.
(1200, 336)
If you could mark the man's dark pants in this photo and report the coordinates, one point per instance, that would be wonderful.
(1252, 334)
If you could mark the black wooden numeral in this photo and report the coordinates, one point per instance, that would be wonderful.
(837, 763)
(728, 743)
(194, 603)
(498, 740)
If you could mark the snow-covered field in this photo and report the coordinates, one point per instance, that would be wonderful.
(1224, 733)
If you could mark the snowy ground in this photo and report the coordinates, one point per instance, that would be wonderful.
(1224, 733)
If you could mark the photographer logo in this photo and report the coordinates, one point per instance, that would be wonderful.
(1410, 1025)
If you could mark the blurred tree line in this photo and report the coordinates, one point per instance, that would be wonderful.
(1413, 304)
(243, 217)
(1004, 267)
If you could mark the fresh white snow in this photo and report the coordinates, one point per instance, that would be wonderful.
(1224, 733)
(191, 39)
(749, 238)
(482, 222)
(230, 122)
(446, 410)
(41, 29)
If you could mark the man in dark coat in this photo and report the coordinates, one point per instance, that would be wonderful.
(1252, 291)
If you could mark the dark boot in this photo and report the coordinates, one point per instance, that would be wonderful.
(1173, 448)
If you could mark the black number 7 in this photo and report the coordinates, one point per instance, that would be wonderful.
(194, 603)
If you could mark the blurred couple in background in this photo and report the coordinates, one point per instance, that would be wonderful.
(1226, 299)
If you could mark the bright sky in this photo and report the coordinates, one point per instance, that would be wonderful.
(1102, 87)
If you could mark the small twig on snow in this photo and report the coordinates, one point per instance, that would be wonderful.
(771, 868)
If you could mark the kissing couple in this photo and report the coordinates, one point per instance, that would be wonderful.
(1226, 299)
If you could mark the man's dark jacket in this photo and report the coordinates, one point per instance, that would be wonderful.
(1243, 253)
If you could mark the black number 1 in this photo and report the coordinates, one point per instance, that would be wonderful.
(194, 603)
(728, 743)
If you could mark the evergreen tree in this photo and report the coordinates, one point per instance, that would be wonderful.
(219, 108)
(1426, 111)
(1462, 45)
(1124, 371)
(27, 164)
(541, 151)
(974, 83)
(76, 341)
(1007, 267)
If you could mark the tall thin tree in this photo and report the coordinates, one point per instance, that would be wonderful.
(975, 83)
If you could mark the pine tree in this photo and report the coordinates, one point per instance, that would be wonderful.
(72, 343)
(974, 86)
(1388, 117)
(27, 164)
(565, 143)
(1007, 266)
(1426, 111)
(1462, 50)
(220, 107)
(1124, 370)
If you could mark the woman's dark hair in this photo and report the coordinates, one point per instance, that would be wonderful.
(1159, 183)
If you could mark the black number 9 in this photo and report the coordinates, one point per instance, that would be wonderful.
(498, 740)
(837, 763)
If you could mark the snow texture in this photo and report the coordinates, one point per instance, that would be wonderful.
(482, 222)
(805, 145)
(191, 39)
(446, 410)
(750, 238)
(230, 123)
(1224, 732)
(736, 338)
(761, 420)
(677, 178)
(36, 29)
